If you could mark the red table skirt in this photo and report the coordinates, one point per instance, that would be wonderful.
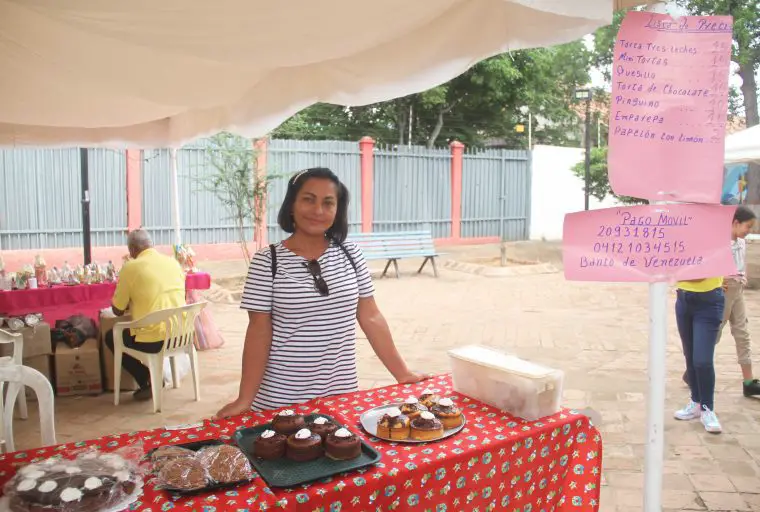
(497, 462)
(60, 302)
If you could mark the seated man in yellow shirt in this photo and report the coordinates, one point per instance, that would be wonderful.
(149, 282)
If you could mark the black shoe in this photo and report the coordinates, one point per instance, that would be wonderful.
(143, 394)
(752, 389)
(685, 378)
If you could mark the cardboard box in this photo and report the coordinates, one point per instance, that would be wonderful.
(77, 370)
(43, 365)
(107, 321)
(36, 342)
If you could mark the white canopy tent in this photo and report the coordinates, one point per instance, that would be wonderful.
(158, 74)
(743, 146)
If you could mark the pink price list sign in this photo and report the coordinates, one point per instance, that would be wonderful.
(669, 107)
(648, 243)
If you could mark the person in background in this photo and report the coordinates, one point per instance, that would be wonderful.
(735, 310)
(699, 314)
(304, 296)
(149, 282)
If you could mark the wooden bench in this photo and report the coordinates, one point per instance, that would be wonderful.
(395, 246)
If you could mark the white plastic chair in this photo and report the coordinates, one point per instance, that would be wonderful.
(180, 335)
(18, 377)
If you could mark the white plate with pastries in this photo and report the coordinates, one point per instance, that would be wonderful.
(370, 419)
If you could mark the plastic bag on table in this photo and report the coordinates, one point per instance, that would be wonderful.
(207, 335)
(217, 464)
(93, 480)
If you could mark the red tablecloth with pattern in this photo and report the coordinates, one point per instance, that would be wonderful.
(497, 462)
(61, 302)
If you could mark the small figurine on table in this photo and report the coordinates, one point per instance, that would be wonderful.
(67, 275)
(111, 274)
(54, 276)
(22, 278)
(185, 255)
(40, 270)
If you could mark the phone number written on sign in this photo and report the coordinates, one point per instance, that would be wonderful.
(649, 241)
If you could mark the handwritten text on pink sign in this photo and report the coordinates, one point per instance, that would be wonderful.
(648, 243)
(669, 106)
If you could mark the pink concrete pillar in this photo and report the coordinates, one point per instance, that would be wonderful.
(366, 149)
(260, 231)
(457, 152)
(134, 189)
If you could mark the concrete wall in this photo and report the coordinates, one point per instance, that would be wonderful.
(556, 191)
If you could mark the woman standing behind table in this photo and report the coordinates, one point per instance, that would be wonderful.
(303, 297)
(699, 314)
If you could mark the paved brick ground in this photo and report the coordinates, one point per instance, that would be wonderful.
(596, 333)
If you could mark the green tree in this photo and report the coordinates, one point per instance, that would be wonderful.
(237, 184)
(599, 184)
(746, 48)
(485, 102)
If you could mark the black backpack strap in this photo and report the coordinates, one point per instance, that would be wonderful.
(273, 254)
(350, 259)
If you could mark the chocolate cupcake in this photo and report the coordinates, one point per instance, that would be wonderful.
(427, 427)
(449, 414)
(287, 422)
(411, 408)
(304, 446)
(269, 445)
(343, 445)
(429, 398)
(393, 425)
(322, 427)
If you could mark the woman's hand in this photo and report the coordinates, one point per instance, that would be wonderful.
(414, 377)
(233, 409)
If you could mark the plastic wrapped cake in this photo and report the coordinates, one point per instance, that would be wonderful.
(93, 482)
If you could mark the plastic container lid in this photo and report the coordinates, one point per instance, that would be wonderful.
(491, 358)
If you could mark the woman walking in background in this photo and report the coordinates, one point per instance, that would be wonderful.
(735, 311)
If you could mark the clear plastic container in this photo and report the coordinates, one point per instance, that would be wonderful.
(524, 389)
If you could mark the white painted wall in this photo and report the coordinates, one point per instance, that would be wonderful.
(555, 191)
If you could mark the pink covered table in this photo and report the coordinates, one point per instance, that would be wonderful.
(60, 302)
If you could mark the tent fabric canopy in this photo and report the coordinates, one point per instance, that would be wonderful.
(743, 146)
(158, 74)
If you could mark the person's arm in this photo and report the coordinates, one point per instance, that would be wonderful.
(120, 300)
(258, 341)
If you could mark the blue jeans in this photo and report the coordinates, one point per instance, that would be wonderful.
(699, 316)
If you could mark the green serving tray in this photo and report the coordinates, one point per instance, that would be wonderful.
(288, 473)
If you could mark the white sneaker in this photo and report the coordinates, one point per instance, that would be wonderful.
(690, 412)
(710, 421)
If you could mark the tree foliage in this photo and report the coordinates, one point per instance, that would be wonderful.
(745, 54)
(484, 103)
(237, 185)
(746, 48)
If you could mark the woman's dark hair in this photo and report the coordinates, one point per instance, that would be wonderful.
(339, 229)
(744, 214)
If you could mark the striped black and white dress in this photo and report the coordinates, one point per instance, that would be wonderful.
(313, 350)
